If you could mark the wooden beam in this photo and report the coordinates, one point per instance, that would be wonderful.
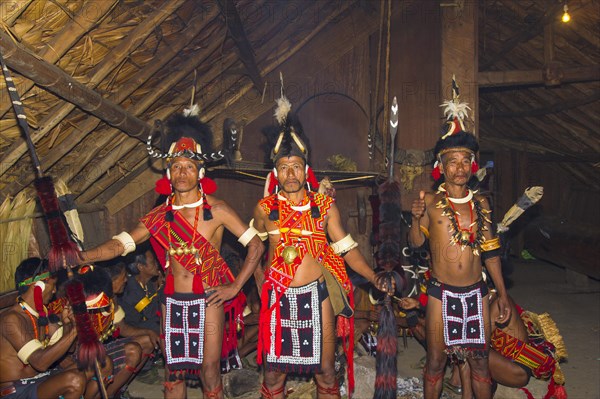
(62, 41)
(525, 35)
(168, 51)
(77, 94)
(559, 106)
(238, 34)
(59, 83)
(589, 73)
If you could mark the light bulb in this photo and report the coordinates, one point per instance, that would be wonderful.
(566, 17)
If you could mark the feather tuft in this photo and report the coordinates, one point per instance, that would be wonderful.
(194, 110)
(283, 109)
(455, 109)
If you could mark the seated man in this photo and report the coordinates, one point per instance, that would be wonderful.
(140, 296)
(28, 349)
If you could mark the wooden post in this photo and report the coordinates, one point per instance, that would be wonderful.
(459, 54)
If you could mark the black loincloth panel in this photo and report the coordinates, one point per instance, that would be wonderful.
(301, 331)
(185, 315)
(462, 313)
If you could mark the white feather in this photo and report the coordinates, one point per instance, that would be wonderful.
(283, 108)
(454, 109)
(194, 110)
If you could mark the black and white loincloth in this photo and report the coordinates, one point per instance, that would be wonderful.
(462, 314)
(299, 330)
(185, 316)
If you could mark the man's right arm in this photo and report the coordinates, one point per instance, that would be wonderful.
(119, 245)
(31, 351)
(418, 232)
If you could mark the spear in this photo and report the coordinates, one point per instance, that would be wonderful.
(388, 259)
(63, 252)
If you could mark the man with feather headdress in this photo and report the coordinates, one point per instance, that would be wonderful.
(456, 221)
(305, 283)
(186, 233)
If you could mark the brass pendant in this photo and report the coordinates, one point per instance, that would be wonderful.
(465, 236)
(289, 254)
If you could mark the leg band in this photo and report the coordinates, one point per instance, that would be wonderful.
(212, 394)
(432, 379)
(478, 378)
(131, 369)
(333, 391)
(169, 385)
(266, 393)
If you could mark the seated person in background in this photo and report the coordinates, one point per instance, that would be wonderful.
(148, 339)
(27, 345)
(527, 344)
(140, 299)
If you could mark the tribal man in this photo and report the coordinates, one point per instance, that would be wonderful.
(305, 284)
(456, 222)
(28, 346)
(186, 233)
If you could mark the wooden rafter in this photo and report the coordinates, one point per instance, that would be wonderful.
(238, 34)
(537, 76)
(76, 94)
(74, 30)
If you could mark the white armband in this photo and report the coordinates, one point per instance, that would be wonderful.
(28, 349)
(119, 315)
(344, 245)
(127, 241)
(56, 336)
(247, 236)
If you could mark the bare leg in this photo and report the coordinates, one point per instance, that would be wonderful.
(506, 372)
(481, 381)
(210, 373)
(173, 389)
(273, 385)
(465, 378)
(436, 357)
(133, 357)
(70, 384)
(327, 385)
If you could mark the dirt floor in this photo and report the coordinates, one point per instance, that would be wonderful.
(572, 300)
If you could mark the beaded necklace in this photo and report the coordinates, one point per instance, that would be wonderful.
(33, 315)
(184, 247)
(464, 237)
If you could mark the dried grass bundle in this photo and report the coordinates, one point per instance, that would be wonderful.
(14, 236)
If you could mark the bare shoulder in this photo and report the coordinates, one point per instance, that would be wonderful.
(482, 200)
(218, 204)
(12, 322)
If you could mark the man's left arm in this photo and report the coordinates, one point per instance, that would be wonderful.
(345, 246)
(490, 254)
(247, 236)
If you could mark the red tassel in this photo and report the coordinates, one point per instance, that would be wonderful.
(560, 392)
(272, 183)
(197, 287)
(169, 284)
(38, 299)
(163, 186)
(527, 393)
(63, 252)
(311, 179)
(208, 185)
(474, 167)
(435, 173)
(91, 349)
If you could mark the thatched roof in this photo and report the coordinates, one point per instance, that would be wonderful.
(94, 75)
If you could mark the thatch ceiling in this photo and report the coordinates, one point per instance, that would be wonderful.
(106, 69)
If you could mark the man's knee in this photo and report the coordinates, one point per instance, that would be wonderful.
(436, 362)
(145, 342)
(133, 353)
(74, 381)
